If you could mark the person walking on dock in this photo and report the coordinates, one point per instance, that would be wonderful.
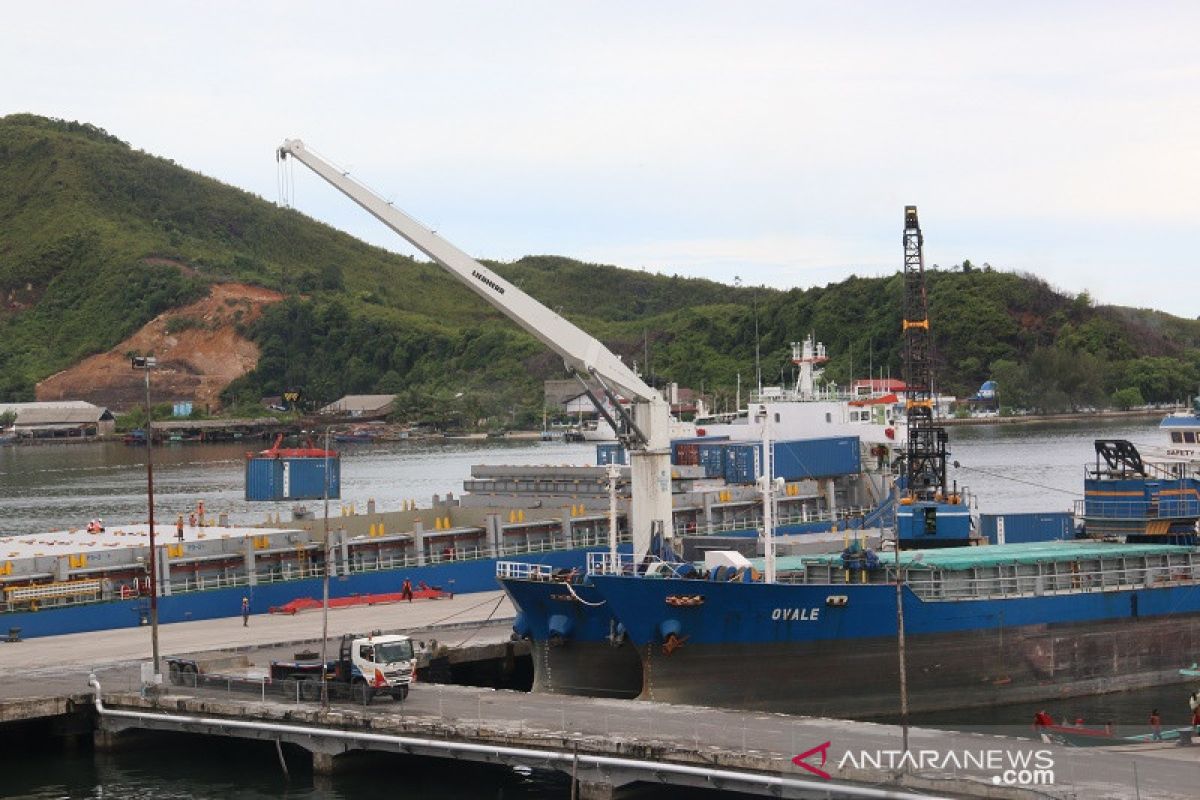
(1156, 725)
(245, 612)
(406, 590)
(179, 528)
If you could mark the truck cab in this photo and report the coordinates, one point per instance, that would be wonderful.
(385, 663)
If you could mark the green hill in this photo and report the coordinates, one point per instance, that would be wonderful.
(90, 228)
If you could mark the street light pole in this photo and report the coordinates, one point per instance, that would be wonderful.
(900, 645)
(325, 587)
(147, 363)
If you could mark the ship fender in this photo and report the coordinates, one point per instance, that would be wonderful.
(560, 626)
(521, 626)
(618, 635)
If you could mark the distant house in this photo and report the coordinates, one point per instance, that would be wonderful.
(367, 406)
(564, 391)
(62, 419)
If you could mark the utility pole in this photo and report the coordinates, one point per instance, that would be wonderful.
(900, 635)
(147, 363)
(325, 587)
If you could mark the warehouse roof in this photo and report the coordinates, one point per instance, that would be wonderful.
(358, 404)
(63, 412)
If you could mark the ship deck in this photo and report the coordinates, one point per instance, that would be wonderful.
(984, 556)
(79, 541)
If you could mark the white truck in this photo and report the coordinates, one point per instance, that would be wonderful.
(366, 666)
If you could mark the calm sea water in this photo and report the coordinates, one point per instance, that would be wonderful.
(1008, 468)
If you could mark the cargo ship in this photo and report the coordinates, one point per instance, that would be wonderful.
(552, 516)
(828, 484)
(985, 625)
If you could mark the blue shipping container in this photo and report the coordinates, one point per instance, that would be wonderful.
(817, 458)
(712, 459)
(743, 462)
(294, 478)
(610, 453)
(795, 460)
(1031, 527)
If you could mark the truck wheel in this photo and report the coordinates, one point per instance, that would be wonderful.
(310, 689)
(402, 693)
(188, 676)
(173, 674)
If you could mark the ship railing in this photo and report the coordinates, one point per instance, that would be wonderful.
(84, 595)
(628, 564)
(1053, 578)
(1158, 508)
(44, 595)
(523, 571)
(849, 514)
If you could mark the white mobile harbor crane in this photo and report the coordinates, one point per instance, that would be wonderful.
(644, 432)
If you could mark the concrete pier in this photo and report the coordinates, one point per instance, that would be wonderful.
(605, 744)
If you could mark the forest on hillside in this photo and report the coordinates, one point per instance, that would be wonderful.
(89, 229)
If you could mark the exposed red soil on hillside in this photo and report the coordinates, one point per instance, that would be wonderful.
(197, 361)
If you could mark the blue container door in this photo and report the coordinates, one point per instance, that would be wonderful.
(304, 478)
(264, 479)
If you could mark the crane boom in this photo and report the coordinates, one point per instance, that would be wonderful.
(581, 351)
(650, 461)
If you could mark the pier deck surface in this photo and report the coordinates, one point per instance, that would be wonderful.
(58, 661)
(725, 739)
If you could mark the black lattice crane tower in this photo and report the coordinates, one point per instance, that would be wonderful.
(925, 456)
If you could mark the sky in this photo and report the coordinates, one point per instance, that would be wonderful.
(775, 142)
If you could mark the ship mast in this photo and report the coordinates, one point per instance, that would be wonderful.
(809, 356)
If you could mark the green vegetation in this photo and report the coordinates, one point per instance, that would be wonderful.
(99, 238)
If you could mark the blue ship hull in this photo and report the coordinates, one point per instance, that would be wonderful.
(593, 656)
(832, 649)
(578, 646)
(457, 576)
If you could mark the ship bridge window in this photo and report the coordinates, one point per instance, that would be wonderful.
(1176, 437)
(828, 417)
(777, 416)
(1189, 437)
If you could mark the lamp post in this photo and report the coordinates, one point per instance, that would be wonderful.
(767, 485)
(325, 586)
(147, 363)
(900, 652)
